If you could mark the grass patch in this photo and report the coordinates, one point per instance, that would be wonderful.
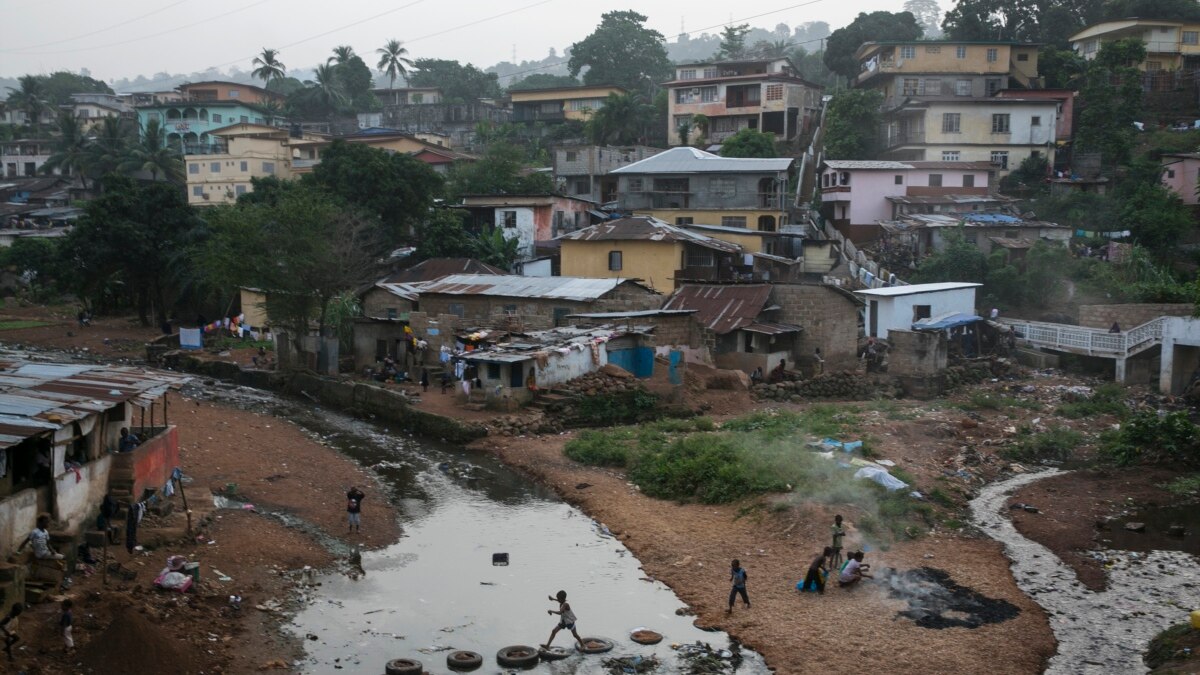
(1184, 486)
(1108, 399)
(18, 324)
(620, 408)
(942, 498)
(985, 401)
(224, 342)
(818, 420)
(1165, 646)
(1055, 444)
(601, 448)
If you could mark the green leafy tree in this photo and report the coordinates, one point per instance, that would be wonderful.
(852, 124)
(845, 41)
(151, 154)
(1157, 217)
(443, 235)
(42, 262)
(1178, 10)
(30, 96)
(268, 67)
(459, 83)
(342, 55)
(622, 52)
(501, 170)
(109, 150)
(1060, 68)
(733, 42)
(493, 248)
(685, 132)
(624, 119)
(773, 49)
(749, 143)
(57, 87)
(544, 81)
(1111, 101)
(285, 85)
(393, 61)
(326, 90)
(356, 81)
(70, 148)
(395, 188)
(1050, 23)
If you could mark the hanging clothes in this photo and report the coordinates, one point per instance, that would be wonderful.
(169, 489)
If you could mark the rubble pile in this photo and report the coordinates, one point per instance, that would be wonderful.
(608, 380)
(523, 425)
(844, 384)
(975, 372)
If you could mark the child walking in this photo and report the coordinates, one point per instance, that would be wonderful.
(8, 626)
(737, 574)
(66, 621)
(566, 619)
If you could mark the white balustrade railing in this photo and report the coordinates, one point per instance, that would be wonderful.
(1091, 341)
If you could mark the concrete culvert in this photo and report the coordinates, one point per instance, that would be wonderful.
(403, 667)
(596, 645)
(463, 660)
(554, 653)
(517, 656)
(645, 636)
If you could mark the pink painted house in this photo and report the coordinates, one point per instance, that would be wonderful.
(856, 195)
(1181, 171)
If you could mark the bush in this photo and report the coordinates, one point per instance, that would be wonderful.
(600, 448)
(618, 408)
(1153, 439)
(1184, 486)
(1108, 399)
(984, 401)
(708, 468)
(1055, 444)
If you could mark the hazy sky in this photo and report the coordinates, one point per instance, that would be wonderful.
(124, 38)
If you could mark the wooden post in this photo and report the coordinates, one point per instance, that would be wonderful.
(143, 419)
(165, 408)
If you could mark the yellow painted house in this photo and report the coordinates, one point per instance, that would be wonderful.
(223, 170)
(1170, 45)
(559, 104)
(658, 254)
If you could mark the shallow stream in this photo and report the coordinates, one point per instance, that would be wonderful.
(437, 588)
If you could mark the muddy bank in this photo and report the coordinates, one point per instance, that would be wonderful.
(1097, 632)
(689, 547)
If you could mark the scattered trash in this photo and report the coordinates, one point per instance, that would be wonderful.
(1135, 527)
(631, 664)
(885, 462)
(221, 575)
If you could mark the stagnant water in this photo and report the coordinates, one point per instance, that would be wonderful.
(1098, 632)
(437, 588)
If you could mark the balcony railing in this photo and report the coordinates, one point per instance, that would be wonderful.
(903, 138)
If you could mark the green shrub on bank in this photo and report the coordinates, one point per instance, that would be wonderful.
(601, 448)
(1148, 438)
(1056, 444)
(1184, 486)
(1108, 399)
(618, 408)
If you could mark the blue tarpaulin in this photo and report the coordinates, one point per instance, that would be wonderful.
(946, 321)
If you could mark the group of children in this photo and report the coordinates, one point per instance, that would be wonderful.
(66, 621)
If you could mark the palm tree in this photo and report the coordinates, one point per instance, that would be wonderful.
(621, 120)
(269, 66)
(342, 54)
(777, 49)
(109, 151)
(30, 96)
(393, 61)
(151, 154)
(328, 88)
(70, 148)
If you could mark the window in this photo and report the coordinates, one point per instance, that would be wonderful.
(239, 189)
(1191, 37)
(682, 121)
(722, 187)
(582, 104)
(197, 191)
(774, 92)
(708, 95)
(244, 119)
(696, 95)
(269, 168)
(583, 187)
(614, 261)
(510, 219)
(671, 185)
(510, 309)
(699, 256)
(245, 166)
(687, 74)
(922, 312)
(1000, 159)
(908, 52)
(951, 123)
(193, 168)
(933, 49)
(418, 98)
(216, 117)
(1090, 46)
(962, 88)
(215, 167)
(932, 88)
(845, 178)
(635, 185)
(960, 52)
(733, 221)
(1152, 66)
(1170, 173)
(899, 179)
(993, 86)
(910, 85)
(1035, 121)
(950, 155)
(493, 371)
(684, 220)
(572, 156)
(993, 54)
(391, 314)
(234, 93)
(1000, 123)
(457, 309)
(1022, 57)
(935, 180)
(969, 180)
(710, 72)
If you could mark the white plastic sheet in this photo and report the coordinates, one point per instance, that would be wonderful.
(882, 477)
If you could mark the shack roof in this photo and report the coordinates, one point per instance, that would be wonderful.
(913, 289)
(695, 160)
(39, 397)
(722, 309)
(541, 342)
(512, 286)
(647, 228)
(436, 268)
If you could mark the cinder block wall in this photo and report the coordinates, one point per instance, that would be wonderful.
(829, 320)
(1130, 315)
(915, 353)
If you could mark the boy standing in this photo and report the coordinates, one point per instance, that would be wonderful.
(65, 622)
(737, 575)
(835, 560)
(566, 619)
(354, 508)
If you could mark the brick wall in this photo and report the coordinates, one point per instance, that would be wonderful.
(918, 354)
(376, 302)
(1129, 315)
(828, 317)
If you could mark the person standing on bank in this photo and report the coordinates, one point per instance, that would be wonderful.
(737, 575)
(354, 508)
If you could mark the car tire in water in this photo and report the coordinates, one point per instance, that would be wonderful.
(645, 636)
(554, 653)
(403, 667)
(463, 660)
(595, 645)
(517, 656)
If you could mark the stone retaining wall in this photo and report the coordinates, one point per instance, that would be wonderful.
(1129, 315)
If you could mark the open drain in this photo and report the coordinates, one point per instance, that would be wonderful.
(936, 601)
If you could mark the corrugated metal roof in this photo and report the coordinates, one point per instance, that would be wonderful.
(40, 397)
(722, 309)
(913, 289)
(949, 199)
(436, 268)
(848, 164)
(408, 292)
(624, 315)
(646, 228)
(771, 328)
(512, 286)
(695, 160)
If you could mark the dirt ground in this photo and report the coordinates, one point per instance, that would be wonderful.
(108, 337)
(1070, 507)
(689, 548)
(278, 468)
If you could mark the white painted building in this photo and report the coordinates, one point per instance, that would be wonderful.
(899, 307)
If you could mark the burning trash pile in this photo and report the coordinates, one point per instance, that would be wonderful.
(936, 601)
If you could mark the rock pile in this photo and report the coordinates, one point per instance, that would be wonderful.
(608, 380)
(517, 425)
(842, 384)
(974, 372)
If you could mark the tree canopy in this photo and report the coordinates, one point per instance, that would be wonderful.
(749, 143)
(852, 124)
(1111, 101)
(1048, 22)
(501, 170)
(625, 118)
(733, 42)
(845, 41)
(459, 83)
(622, 52)
(544, 81)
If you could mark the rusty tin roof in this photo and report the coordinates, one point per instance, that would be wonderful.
(722, 309)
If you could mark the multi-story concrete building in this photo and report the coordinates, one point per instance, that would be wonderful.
(207, 106)
(559, 104)
(230, 91)
(583, 170)
(682, 186)
(221, 170)
(91, 108)
(408, 96)
(763, 94)
(1170, 45)
(25, 157)
(938, 69)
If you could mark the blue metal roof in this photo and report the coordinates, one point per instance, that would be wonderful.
(946, 321)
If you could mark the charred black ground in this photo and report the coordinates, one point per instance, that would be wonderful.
(936, 601)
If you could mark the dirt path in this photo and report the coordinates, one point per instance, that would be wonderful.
(689, 548)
